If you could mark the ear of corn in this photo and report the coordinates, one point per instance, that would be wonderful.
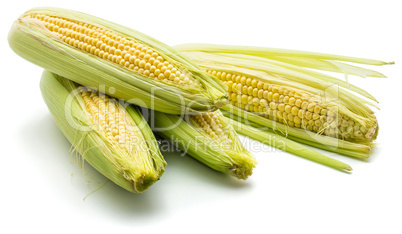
(114, 139)
(210, 139)
(286, 144)
(298, 102)
(125, 63)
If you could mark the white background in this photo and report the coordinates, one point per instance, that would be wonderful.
(43, 190)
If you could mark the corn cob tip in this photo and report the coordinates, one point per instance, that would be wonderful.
(143, 183)
(243, 171)
(221, 102)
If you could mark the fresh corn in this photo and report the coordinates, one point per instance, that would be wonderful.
(114, 139)
(116, 60)
(209, 138)
(287, 97)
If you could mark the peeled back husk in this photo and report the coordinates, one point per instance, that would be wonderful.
(69, 43)
(114, 139)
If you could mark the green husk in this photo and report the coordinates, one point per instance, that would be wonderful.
(133, 172)
(284, 143)
(191, 139)
(32, 41)
(266, 52)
